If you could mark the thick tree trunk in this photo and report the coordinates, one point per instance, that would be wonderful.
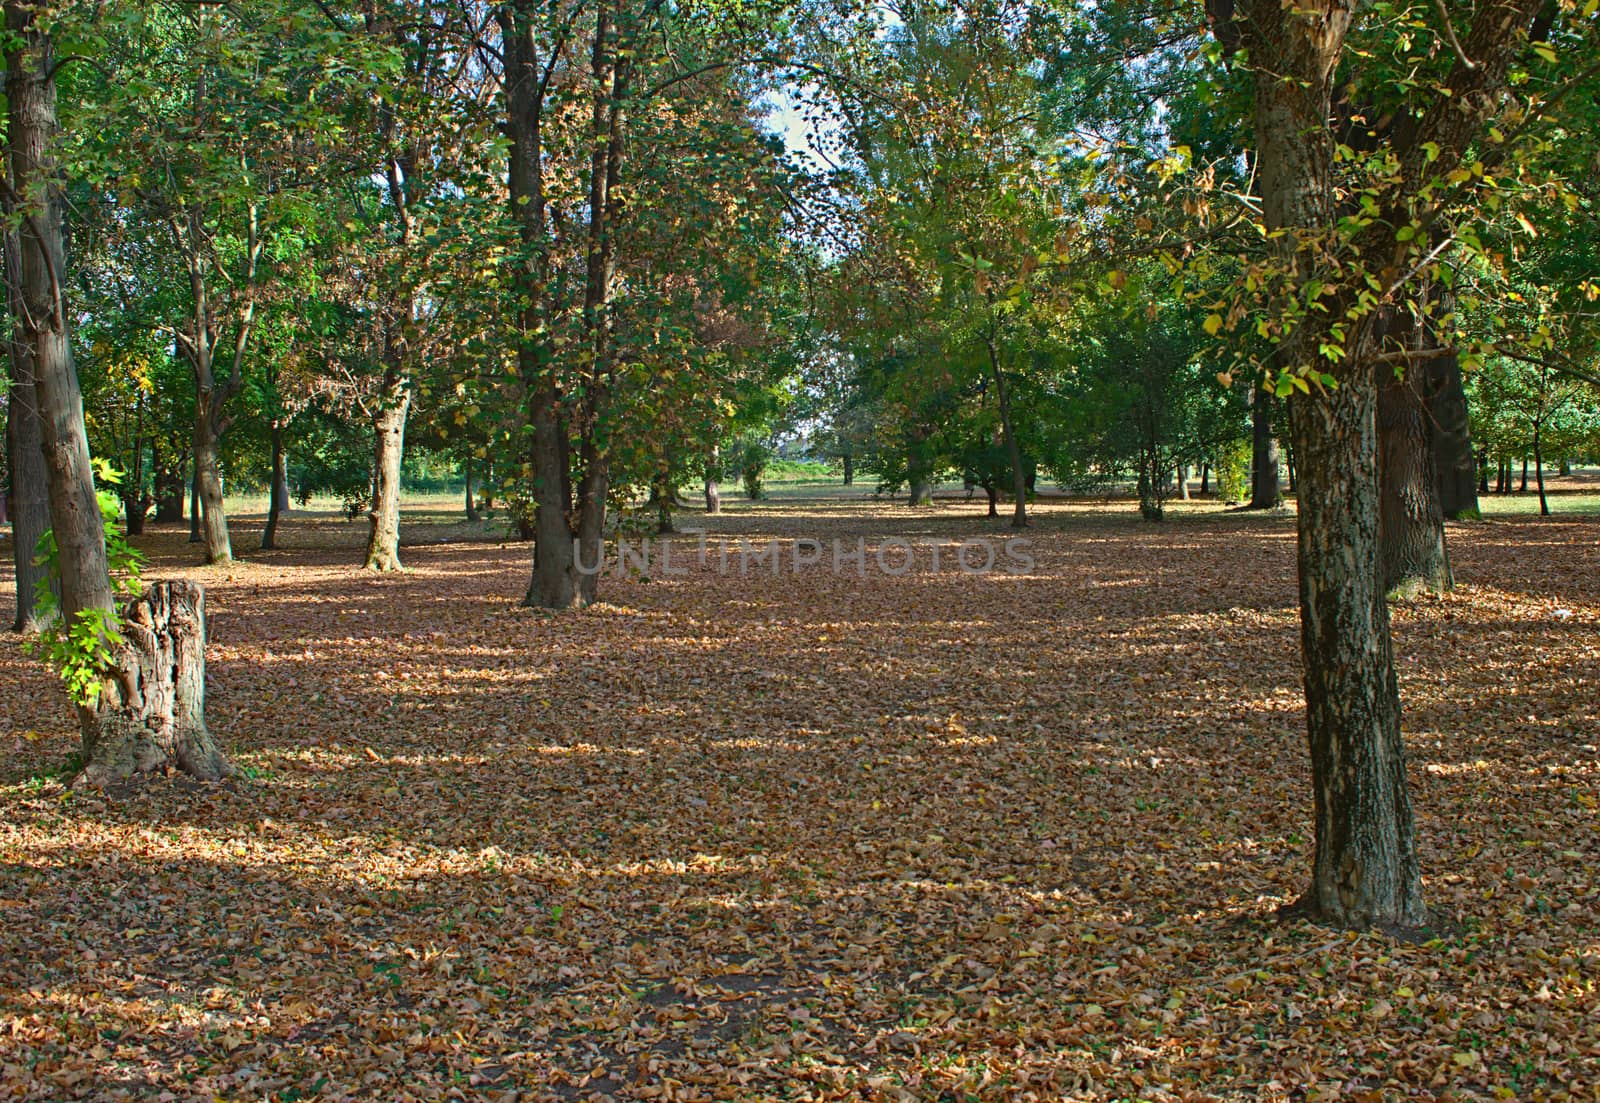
(1365, 870)
(1450, 437)
(278, 503)
(213, 515)
(153, 718)
(1411, 524)
(24, 448)
(921, 493)
(1264, 492)
(1183, 482)
(389, 435)
(665, 496)
(113, 721)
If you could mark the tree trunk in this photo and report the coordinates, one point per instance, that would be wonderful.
(713, 497)
(213, 514)
(921, 491)
(24, 448)
(114, 722)
(1523, 489)
(1019, 477)
(1365, 871)
(159, 684)
(389, 436)
(1205, 479)
(1538, 467)
(1264, 493)
(849, 469)
(278, 503)
(1411, 524)
(1450, 438)
(466, 477)
(1483, 472)
(1183, 482)
(169, 489)
(195, 536)
(664, 496)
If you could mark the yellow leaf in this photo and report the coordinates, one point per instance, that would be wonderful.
(1213, 324)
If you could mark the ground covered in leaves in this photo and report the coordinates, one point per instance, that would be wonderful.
(926, 836)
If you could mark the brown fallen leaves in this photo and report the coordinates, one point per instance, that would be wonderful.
(812, 837)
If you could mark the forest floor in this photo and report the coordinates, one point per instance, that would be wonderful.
(929, 836)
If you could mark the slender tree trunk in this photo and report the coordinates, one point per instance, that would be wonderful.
(1523, 489)
(169, 487)
(1483, 472)
(1264, 493)
(713, 466)
(24, 450)
(213, 515)
(148, 714)
(195, 536)
(278, 501)
(1205, 479)
(1183, 482)
(849, 469)
(1365, 871)
(1019, 477)
(466, 475)
(664, 496)
(1538, 467)
(993, 493)
(389, 435)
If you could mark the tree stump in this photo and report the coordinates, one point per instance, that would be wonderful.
(150, 718)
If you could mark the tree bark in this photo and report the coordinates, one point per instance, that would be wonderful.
(1411, 522)
(389, 436)
(169, 487)
(1538, 467)
(1523, 489)
(849, 469)
(713, 497)
(1264, 492)
(195, 536)
(159, 683)
(278, 502)
(25, 451)
(1365, 871)
(1450, 438)
(466, 477)
(1019, 477)
(123, 727)
(213, 514)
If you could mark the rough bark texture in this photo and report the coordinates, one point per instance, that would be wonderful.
(921, 493)
(195, 536)
(213, 516)
(1264, 492)
(1411, 526)
(25, 452)
(389, 435)
(1365, 870)
(278, 503)
(1450, 438)
(150, 708)
(151, 718)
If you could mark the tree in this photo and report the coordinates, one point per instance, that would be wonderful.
(138, 680)
(1327, 317)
